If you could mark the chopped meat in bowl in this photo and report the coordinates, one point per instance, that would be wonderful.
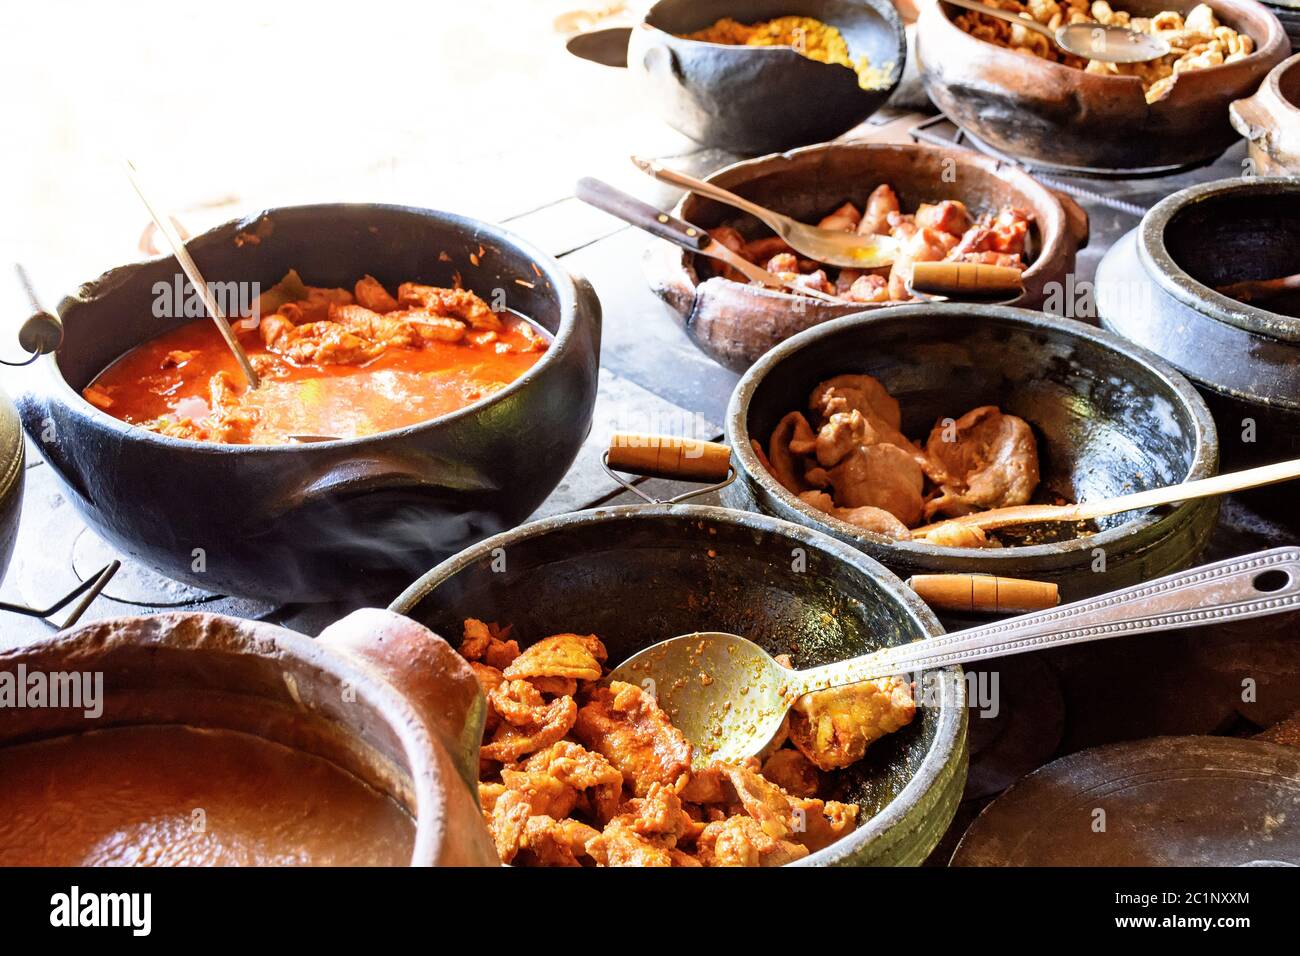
(574, 772)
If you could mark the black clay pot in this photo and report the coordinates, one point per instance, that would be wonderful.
(13, 460)
(1109, 419)
(747, 99)
(1156, 288)
(336, 519)
(636, 575)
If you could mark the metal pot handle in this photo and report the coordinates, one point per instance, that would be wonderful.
(443, 690)
(666, 456)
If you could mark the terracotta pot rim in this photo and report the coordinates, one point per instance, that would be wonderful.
(568, 294)
(398, 714)
(1179, 284)
(1204, 455)
(1265, 48)
(946, 751)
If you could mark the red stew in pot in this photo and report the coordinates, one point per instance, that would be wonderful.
(334, 363)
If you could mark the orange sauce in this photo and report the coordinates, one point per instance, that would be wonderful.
(177, 796)
(401, 387)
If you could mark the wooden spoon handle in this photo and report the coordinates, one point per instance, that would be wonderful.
(668, 456)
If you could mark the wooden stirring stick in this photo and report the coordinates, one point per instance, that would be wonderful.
(1084, 510)
(192, 273)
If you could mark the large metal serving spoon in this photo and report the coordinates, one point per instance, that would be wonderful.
(844, 249)
(729, 697)
(1090, 40)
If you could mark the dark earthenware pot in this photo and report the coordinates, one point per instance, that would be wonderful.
(408, 725)
(1109, 418)
(1155, 287)
(13, 461)
(332, 519)
(746, 99)
(636, 575)
(1033, 109)
(735, 323)
(1269, 121)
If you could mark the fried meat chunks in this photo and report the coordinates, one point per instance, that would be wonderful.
(939, 231)
(598, 776)
(848, 458)
(338, 327)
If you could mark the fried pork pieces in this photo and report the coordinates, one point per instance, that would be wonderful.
(858, 467)
(576, 774)
(942, 231)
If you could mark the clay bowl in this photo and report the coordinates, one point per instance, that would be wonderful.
(1109, 418)
(635, 575)
(408, 726)
(1269, 121)
(752, 100)
(1155, 287)
(320, 521)
(1058, 116)
(735, 323)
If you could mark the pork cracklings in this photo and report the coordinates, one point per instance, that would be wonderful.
(576, 773)
(848, 458)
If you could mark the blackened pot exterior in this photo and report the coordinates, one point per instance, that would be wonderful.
(757, 100)
(321, 521)
(1109, 419)
(13, 461)
(635, 575)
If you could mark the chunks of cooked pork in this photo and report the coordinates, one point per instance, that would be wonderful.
(853, 462)
(987, 459)
(617, 786)
(940, 230)
(834, 727)
(624, 724)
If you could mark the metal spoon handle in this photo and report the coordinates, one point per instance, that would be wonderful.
(1026, 22)
(775, 220)
(1267, 582)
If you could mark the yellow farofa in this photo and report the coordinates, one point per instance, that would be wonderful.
(1196, 43)
(806, 36)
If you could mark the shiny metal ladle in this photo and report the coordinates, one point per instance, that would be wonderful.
(729, 697)
(1090, 40)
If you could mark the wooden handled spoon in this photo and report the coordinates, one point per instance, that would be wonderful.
(729, 697)
(1085, 510)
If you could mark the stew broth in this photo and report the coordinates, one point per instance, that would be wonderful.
(342, 370)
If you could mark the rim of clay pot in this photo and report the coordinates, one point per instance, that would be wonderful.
(1275, 37)
(737, 425)
(1172, 278)
(269, 641)
(565, 284)
(1024, 182)
(948, 747)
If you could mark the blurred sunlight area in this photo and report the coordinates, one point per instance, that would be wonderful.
(472, 107)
